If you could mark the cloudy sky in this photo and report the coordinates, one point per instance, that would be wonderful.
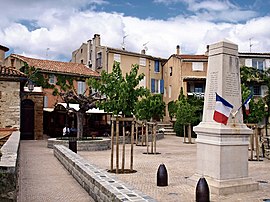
(52, 29)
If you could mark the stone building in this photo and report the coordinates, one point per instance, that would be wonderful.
(10, 84)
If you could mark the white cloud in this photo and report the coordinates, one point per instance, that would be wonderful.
(64, 30)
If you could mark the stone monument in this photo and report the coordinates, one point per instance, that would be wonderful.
(222, 150)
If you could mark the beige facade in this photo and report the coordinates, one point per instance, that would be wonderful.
(101, 58)
(259, 61)
(187, 72)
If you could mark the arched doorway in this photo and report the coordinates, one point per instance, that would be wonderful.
(27, 120)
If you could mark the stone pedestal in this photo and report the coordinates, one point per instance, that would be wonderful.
(222, 150)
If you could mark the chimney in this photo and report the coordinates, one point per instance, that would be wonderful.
(207, 50)
(3, 50)
(143, 51)
(178, 50)
(97, 39)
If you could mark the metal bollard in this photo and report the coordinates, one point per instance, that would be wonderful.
(202, 191)
(162, 176)
(72, 143)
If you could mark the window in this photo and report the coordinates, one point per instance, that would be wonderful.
(81, 87)
(117, 57)
(81, 61)
(258, 63)
(143, 62)
(197, 66)
(256, 90)
(81, 50)
(157, 86)
(170, 71)
(99, 60)
(45, 101)
(156, 66)
(52, 79)
(198, 88)
(142, 82)
(170, 91)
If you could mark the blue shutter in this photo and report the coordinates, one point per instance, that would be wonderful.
(161, 86)
(152, 85)
(156, 66)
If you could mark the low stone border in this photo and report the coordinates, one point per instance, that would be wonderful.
(95, 145)
(100, 185)
(85, 145)
(9, 167)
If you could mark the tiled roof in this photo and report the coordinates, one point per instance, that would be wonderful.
(56, 66)
(4, 48)
(10, 72)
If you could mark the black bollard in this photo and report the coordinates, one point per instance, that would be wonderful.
(162, 176)
(72, 145)
(202, 191)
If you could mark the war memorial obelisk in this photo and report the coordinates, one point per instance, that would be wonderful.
(222, 150)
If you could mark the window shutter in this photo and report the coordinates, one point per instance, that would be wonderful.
(267, 64)
(161, 85)
(248, 62)
(156, 66)
(152, 85)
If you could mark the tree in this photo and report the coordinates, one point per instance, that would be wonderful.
(121, 92)
(186, 114)
(251, 76)
(172, 109)
(85, 103)
(65, 89)
(151, 107)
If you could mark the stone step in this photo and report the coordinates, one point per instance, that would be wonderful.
(169, 133)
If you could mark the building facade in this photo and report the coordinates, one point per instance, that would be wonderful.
(260, 61)
(51, 72)
(100, 58)
(184, 71)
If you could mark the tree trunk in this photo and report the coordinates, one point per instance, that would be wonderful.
(80, 119)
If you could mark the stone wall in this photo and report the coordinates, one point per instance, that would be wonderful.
(100, 185)
(9, 104)
(9, 168)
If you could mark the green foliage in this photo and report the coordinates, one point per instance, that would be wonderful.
(64, 82)
(121, 92)
(172, 109)
(151, 107)
(186, 113)
(249, 77)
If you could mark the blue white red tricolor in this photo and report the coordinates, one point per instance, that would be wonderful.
(246, 104)
(222, 110)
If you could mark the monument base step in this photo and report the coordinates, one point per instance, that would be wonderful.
(224, 187)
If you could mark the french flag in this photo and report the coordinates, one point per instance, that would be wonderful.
(222, 110)
(246, 104)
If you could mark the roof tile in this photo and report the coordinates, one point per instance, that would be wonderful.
(57, 66)
(10, 72)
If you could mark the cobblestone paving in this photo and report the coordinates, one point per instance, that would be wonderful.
(42, 177)
(180, 161)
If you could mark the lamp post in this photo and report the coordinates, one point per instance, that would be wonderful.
(30, 85)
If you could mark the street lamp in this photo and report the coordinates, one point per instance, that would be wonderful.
(30, 85)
